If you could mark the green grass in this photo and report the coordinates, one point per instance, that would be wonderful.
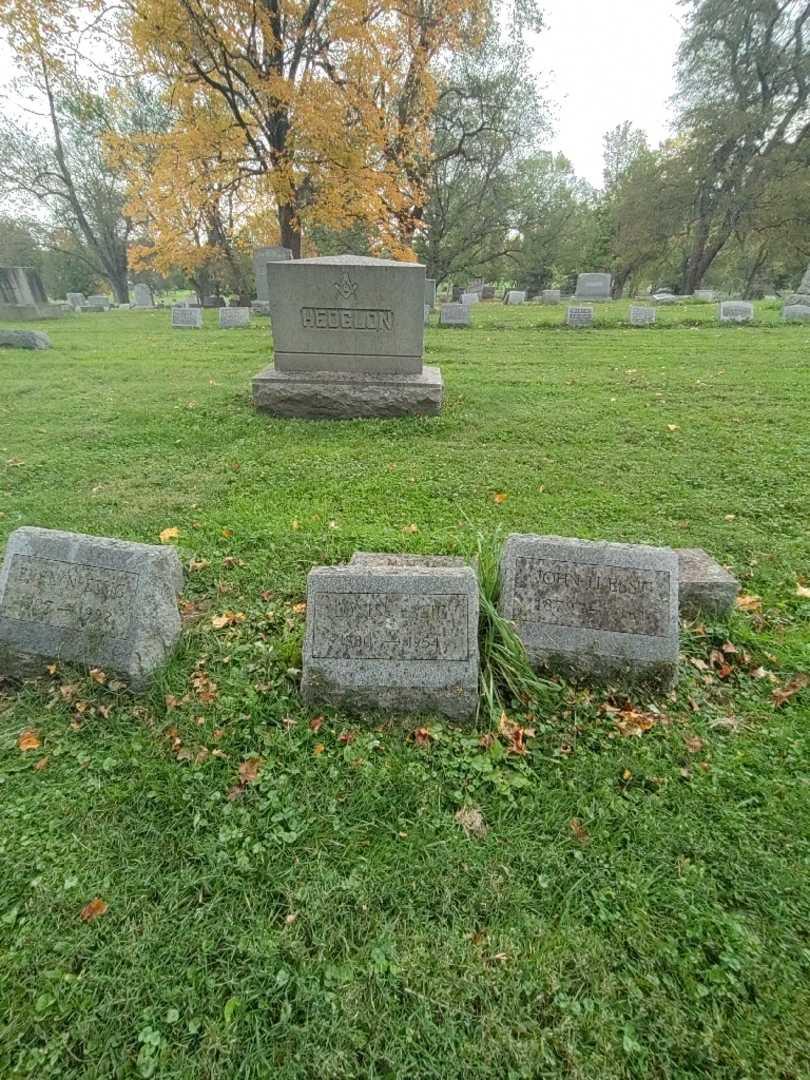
(638, 905)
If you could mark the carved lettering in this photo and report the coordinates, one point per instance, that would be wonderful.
(323, 318)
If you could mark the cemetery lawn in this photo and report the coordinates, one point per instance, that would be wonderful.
(290, 895)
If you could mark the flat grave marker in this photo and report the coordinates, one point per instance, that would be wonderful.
(515, 297)
(552, 296)
(642, 316)
(187, 318)
(233, 317)
(593, 609)
(88, 600)
(579, 317)
(455, 315)
(468, 298)
(796, 313)
(736, 311)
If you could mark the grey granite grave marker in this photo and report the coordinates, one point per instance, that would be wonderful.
(350, 329)
(705, 295)
(455, 315)
(667, 298)
(796, 312)
(97, 302)
(24, 339)
(430, 291)
(736, 311)
(488, 292)
(76, 300)
(802, 294)
(233, 317)
(87, 599)
(262, 258)
(394, 635)
(642, 316)
(705, 587)
(552, 296)
(468, 298)
(593, 287)
(187, 318)
(23, 296)
(580, 317)
(593, 609)
(515, 297)
(142, 296)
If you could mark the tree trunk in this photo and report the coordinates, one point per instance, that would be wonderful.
(290, 230)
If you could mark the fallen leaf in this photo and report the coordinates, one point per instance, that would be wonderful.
(422, 736)
(227, 534)
(299, 609)
(169, 534)
(730, 517)
(346, 737)
(673, 427)
(410, 528)
(249, 770)
(296, 524)
(93, 909)
(471, 821)
(42, 764)
(694, 744)
(98, 676)
(316, 723)
(499, 497)
(319, 748)
(195, 565)
(790, 689)
(746, 602)
(228, 618)
(53, 669)
(230, 561)
(803, 591)
(579, 831)
(29, 740)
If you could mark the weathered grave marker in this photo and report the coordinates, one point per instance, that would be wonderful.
(594, 287)
(642, 316)
(796, 312)
(705, 587)
(233, 317)
(87, 599)
(76, 300)
(393, 635)
(142, 296)
(97, 302)
(552, 296)
(187, 318)
(468, 298)
(347, 330)
(516, 297)
(579, 317)
(430, 291)
(593, 609)
(24, 339)
(736, 311)
(705, 295)
(455, 315)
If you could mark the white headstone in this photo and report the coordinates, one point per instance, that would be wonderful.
(470, 298)
(454, 315)
(232, 317)
(516, 297)
(187, 318)
(76, 300)
(796, 312)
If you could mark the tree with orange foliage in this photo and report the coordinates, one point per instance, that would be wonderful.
(315, 110)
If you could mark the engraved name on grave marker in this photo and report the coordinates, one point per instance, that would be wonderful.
(186, 318)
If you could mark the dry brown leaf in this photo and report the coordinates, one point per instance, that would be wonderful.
(299, 609)
(227, 534)
(249, 770)
(746, 602)
(93, 909)
(694, 744)
(803, 591)
(471, 821)
(316, 723)
(195, 565)
(41, 764)
(230, 561)
(410, 528)
(98, 676)
(785, 693)
(499, 497)
(169, 534)
(228, 618)
(422, 736)
(319, 748)
(29, 740)
(579, 831)
(673, 427)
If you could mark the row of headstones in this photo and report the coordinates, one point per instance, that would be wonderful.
(394, 632)
(583, 315)
(191, 318)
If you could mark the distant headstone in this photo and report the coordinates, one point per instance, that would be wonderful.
(397, 636)
(642, 316)
(142, 296)
(456, 294)
(488, 292)
(24, 339)
(470, 298)
(262, 257)
(97, 302)
(736, 311)
(515, 297)
(705, 296)
(428, 310)
(430, 291)
(802, 294)
(187, 318)
(580, 316)
(593, 609)
(796, 312)
(76, 300)
(705, 588)
(260, 308)
(23, 296)
(232, 317)
(551, 296)
(348, 340)
(594, 287)
(87, 599)
(455, 315)
(667, 298)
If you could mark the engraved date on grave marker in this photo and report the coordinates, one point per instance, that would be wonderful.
(390, 626)
(70, 596)
(618, 599)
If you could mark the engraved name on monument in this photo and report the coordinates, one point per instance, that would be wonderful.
(187, 318)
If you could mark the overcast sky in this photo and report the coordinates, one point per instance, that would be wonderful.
(605, 61)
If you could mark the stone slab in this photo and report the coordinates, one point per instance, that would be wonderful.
(667, 298)
(515, 297)
(88, 600)
(594, 286)
(552, 296)
(395, 559)
(97, 302)
(455, 315)
(260, 308)
(231, 318)
(347, 313)
(796, 312)
(736, 311)
(262, 257)
(594, 610)
(705, 587)
(579, 317)
(430, 291)
(187, 318)
(24, 339)
(468, 298)
(77, 300)
(642, 316)
(332, 395)
(705, 295)
(142, 296)
(403, 638)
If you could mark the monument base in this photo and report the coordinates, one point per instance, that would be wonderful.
(29, 312)
(339, 395)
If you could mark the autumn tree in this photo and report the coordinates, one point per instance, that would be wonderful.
(324, 103)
